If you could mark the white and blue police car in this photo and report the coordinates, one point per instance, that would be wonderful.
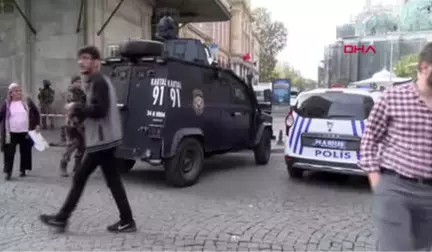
(324, 128)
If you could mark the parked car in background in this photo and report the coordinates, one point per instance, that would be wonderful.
(324, 129)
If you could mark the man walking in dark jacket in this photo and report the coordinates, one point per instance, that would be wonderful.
(103, 134)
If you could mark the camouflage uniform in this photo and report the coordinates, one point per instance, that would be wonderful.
(74, 132)
(46, 99)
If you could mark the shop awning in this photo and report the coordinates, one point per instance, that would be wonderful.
(198, 10)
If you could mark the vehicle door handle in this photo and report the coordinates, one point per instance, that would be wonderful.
(236, 114)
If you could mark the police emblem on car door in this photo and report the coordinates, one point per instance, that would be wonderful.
(198, 101)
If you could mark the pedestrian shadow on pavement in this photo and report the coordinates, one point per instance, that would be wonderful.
(333, 180)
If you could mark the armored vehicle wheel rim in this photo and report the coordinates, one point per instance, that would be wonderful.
(188, 157)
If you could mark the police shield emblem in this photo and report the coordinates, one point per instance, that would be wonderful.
(329, 126)
(198, 101)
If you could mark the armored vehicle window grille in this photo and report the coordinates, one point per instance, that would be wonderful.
(334, 106)
(113, 51)
(178, 51)
(239, 95)
(6, 6)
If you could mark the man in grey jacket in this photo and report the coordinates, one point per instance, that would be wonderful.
(103, 134)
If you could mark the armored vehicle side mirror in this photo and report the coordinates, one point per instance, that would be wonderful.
(265, 106)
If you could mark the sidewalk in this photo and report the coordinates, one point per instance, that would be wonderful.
(53, 137)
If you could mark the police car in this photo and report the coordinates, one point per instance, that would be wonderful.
(324, 128)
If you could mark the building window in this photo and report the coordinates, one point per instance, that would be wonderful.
(6, 6)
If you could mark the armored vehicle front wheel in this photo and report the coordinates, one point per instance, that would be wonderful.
(124, 165)
(185, 167)
(263, 150)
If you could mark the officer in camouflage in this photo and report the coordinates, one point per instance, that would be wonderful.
(74, 128)
(46, 99)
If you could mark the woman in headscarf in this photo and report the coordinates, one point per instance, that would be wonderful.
(18, 116)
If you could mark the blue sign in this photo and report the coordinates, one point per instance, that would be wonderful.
(281, 92)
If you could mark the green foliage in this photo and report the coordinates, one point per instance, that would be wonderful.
(273, 37)
(406, 66)
(288, 72)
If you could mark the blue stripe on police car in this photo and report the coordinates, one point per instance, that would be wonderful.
(305, 131)
(299, 131)
(291, 137)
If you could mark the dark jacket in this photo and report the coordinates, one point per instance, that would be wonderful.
(76, 94)
(101, 116)
(34, 118)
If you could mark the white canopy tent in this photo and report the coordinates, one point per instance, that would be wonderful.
(381, 78)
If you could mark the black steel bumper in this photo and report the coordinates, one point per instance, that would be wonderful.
(314, 165)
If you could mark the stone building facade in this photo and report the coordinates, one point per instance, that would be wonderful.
(45, 47)
(235, 39)
(389, 49)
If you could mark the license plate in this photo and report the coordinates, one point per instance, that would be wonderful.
(329, 144)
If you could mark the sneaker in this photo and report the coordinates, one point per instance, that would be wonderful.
(53, 221)
(8, 176)
(123, 227)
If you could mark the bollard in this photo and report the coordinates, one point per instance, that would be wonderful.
(280, 140)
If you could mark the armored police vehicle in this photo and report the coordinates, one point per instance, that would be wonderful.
(263, 94)
(324, 129)
(179, 107)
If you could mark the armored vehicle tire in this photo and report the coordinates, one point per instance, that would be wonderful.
(141, 48)
(185, 167)
(295, 173)
(263, 150)
(124, 165)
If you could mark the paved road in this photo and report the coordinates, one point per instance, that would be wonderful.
(236, 206)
